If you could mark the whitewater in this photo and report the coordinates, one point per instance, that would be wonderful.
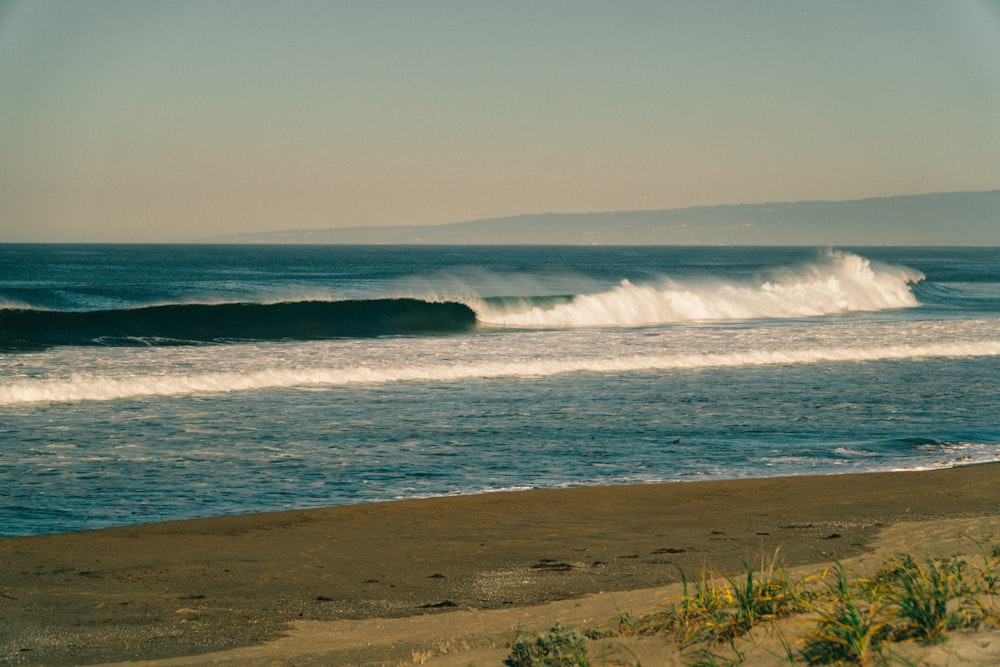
(221, 379)
(838, 283)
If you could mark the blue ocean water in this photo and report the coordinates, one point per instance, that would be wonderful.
(146, 383)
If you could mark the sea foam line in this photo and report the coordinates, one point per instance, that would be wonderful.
(103, 388)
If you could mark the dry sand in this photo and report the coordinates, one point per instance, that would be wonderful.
(448, 580)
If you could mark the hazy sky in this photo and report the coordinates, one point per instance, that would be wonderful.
(166, 121)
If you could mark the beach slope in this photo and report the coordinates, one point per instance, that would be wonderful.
(196, 587)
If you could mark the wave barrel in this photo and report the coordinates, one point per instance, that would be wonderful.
(22, 329)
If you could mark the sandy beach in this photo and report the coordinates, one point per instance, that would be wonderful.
(384, 584)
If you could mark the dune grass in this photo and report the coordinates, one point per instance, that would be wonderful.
(853, 619)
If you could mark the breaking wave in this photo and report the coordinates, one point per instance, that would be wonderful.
(839, 283)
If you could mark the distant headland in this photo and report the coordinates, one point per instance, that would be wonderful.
(950, 218)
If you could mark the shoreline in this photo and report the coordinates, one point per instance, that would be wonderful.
(191, 587)
(942, 465)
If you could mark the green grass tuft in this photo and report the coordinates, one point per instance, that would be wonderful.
(928, 599)
(850, 629)
(856, 617)
(559, 647)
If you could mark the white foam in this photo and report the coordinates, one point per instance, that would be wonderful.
(13, 304)
(839, 283)
(81, 387)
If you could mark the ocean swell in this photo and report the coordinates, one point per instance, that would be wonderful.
(177, 324)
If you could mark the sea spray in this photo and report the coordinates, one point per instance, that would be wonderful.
(839, 283)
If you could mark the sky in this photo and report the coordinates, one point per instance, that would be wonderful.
(129, 121)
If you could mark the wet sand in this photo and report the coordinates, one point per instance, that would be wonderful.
(194, 587)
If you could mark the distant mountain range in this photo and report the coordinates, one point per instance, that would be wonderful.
(951, 218)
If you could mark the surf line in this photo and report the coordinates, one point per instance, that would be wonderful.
(104, 388)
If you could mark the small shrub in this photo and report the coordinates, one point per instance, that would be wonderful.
(559, 647)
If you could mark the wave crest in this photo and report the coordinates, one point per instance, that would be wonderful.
(175, 324)
(841, 282)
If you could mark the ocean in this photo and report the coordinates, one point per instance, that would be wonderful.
(157, 382)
